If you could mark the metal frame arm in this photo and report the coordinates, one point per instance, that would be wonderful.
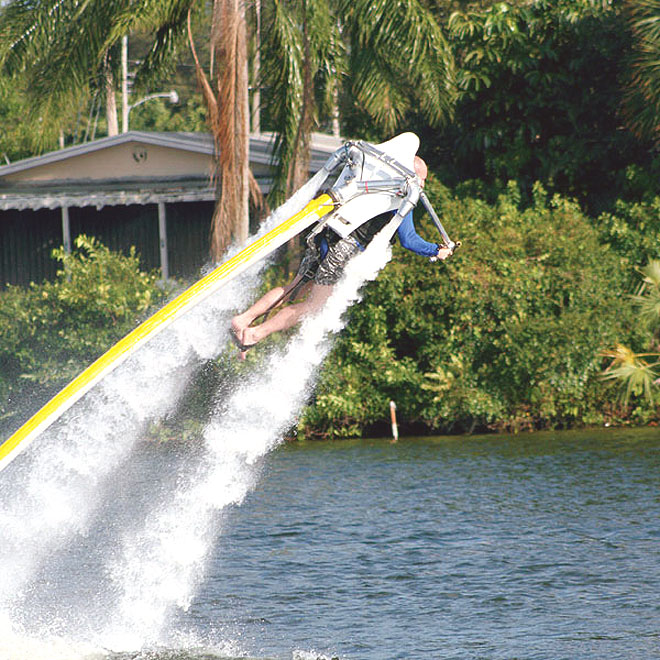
(409, 201)
(434, 216)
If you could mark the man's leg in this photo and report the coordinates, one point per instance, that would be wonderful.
(268, 301)
(327, 274)
(306, 270)
(288, 317)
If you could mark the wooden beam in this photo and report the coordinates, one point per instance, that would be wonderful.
(162, 235)
(66, 230)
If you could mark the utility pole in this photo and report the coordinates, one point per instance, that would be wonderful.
(256, 71)
(124, 84)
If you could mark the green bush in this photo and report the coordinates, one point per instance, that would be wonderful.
(50, 331)
(507, 334)
(633, 230)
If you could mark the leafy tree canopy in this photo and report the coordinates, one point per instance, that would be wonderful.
(540, 97)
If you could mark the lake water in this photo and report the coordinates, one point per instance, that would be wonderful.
(532, 546)
(541, 546)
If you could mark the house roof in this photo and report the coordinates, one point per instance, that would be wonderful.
(195, 142)
(134, 168)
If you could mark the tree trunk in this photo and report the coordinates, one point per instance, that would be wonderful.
(228, 117)
(231, 125)
(110, 101)
(336, 129)
(256, 71)
(299, 166)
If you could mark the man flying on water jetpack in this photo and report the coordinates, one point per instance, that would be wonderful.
(322, 266)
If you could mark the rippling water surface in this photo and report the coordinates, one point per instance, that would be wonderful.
(533, 546)
(543, 546)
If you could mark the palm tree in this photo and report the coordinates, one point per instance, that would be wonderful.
(642, 101)
(229, 117)
(633, 371)
(69, 50)
(62, 57)
(386, 57)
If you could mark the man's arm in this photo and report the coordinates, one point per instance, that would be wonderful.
(412, 241)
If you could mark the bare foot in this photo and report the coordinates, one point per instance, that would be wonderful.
(243, 342)
(237, 326)
(249, 337)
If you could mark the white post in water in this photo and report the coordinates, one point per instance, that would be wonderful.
(395, 428)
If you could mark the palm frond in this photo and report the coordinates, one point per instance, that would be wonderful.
(207, 91)
(169, 19)
(648, 296)
(283, 69)
(376, 90)
(28, 26)
(642, 98)
(68, 50)
(649, 308)
(409, 50)
(329, 52)
(632, 372)
(651, 273)
(59, 54)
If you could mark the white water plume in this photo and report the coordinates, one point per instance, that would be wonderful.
(51, 491)
(162, 564)
(62, 488)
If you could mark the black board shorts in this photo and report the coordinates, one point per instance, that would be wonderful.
(327, 271)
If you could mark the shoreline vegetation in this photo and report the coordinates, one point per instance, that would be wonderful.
(540, 125)
(512, 334)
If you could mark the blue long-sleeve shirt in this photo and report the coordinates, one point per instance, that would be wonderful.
(411, 240)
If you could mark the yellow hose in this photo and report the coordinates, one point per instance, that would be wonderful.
(253, 253)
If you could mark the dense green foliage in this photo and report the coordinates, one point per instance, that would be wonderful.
(633, 229)
(541, 87)
(642, 100)
(516, 329)
(49, 331)
(506, 335)
(15, 134)
(511, 333)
